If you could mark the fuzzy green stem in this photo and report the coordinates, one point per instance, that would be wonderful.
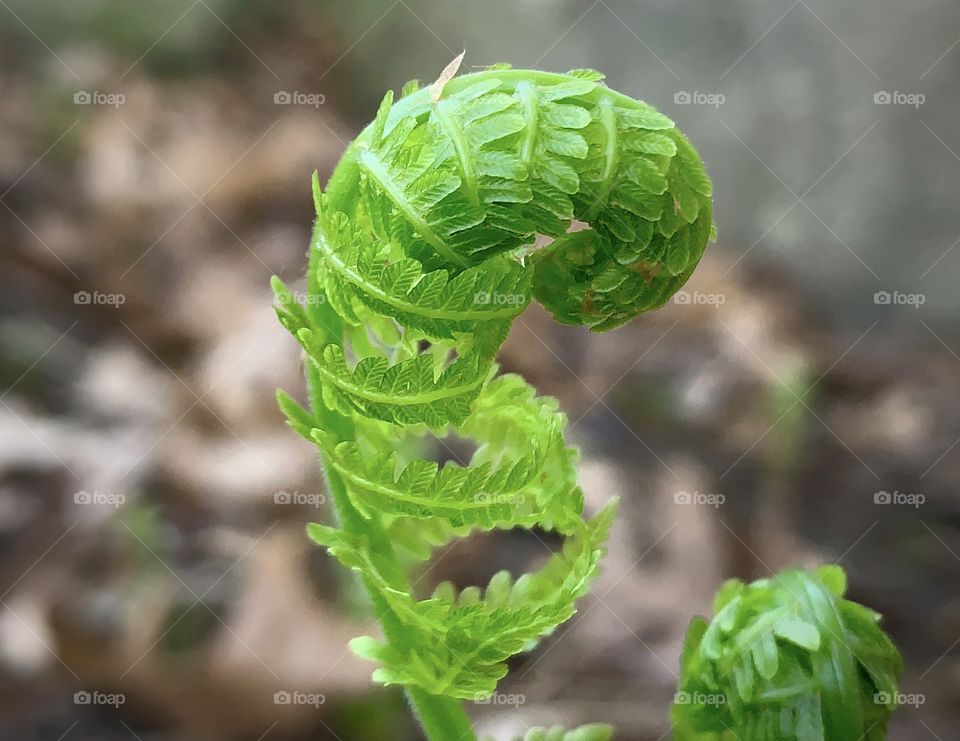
(442, 718)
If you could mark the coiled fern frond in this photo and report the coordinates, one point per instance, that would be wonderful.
(421, 258)
(787, 659)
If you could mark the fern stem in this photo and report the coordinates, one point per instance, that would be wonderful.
(527, 93)
(464, 157)
(611, 157)
(442, 718)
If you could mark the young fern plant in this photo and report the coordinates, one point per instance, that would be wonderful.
(421, 258)
(787, 658)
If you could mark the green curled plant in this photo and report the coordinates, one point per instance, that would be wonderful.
(787, 658)
(421, 258)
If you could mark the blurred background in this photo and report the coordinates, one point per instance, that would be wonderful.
(795, 405)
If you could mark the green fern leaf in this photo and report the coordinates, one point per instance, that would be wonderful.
(521, 475)
(466, 640)
(405, 393)
(358, 272)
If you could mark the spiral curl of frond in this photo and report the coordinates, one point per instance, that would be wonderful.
(422, 257)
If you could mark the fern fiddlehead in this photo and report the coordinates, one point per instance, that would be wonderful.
(787, 659)
(421, 258)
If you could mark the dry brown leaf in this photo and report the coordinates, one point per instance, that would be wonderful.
(436, 89)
